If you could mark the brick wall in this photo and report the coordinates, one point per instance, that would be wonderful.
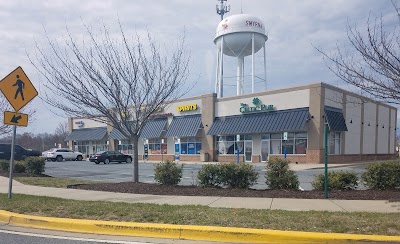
(159, 157)
(314, 156)
(190, 157)
(229, 158)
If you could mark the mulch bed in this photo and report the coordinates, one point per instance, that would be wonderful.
(156, 189)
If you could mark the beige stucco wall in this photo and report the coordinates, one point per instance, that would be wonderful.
(333, 98)
(369, 128)
(88, 123)
(383, 130)
(280, 100)
(392, 131)
(353, 114)
(172, 108)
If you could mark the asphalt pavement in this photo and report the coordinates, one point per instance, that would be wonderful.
(122, 172)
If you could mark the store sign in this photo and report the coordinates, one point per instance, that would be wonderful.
(188, 107)
(258, 106)
(80, 124)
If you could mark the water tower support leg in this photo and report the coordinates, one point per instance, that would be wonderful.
(217, 74)
(221, 70)
(252, 64)
(265, 68)
(239, 74)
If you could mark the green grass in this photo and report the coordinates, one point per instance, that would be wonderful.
(339, 222)
(51, 182)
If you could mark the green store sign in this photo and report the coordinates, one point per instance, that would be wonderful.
(258, 106)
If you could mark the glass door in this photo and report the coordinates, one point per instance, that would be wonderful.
(248, 150)
(264, 150)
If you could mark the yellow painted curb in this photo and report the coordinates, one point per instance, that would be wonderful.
(187, 232)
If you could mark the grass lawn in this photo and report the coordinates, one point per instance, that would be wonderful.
(317, 221)
(51, 182)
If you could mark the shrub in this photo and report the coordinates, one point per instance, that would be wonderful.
(168, 173)
(34, 165)
(5, 165)
(19, 167)
(382, 175)
(279, 176)
(337, 180)
(235, 175)
(209, 175)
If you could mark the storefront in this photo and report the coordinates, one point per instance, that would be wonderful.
(255, 127)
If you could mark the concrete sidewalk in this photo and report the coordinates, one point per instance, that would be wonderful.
(381, 206)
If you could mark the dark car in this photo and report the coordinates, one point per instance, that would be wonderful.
(109, 156)
(20, 153)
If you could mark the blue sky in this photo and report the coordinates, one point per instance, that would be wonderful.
(291, 25)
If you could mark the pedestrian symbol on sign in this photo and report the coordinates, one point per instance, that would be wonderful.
(20, 84)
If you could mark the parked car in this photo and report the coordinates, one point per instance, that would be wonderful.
(20, 153)
(59, 154)
(110, 156)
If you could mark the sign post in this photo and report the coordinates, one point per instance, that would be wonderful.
(19, 91)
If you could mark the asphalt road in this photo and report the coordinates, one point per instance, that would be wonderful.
(122, 172)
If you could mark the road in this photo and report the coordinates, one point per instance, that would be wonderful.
(122, 172)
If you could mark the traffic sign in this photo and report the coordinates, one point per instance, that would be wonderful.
(12, 118)
(18, 89)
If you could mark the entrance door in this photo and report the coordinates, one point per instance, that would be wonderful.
(248, 150)
(264, 150)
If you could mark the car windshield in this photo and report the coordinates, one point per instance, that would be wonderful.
(102, 152)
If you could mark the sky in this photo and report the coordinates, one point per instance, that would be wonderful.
(292, 28)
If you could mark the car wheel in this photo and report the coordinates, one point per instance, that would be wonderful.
(106, 161)
(128, 160)
(59, 158)
(79, 158)
(96, 162)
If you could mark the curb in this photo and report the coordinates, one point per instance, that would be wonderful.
(185, 232)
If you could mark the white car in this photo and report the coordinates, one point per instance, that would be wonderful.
(59, 154)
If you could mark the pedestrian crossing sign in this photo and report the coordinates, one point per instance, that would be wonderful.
(18, 89)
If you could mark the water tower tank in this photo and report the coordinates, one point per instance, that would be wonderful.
(237, 32)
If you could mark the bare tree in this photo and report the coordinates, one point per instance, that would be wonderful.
(61, 132)
(373, 64)
(120, 82)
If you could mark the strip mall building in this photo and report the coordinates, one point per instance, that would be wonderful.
(258, 126)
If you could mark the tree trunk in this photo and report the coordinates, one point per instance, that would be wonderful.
(135, 155)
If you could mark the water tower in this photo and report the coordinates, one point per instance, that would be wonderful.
(239, 36)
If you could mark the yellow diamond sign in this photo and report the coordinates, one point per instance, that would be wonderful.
(12, 118)
(18, 89)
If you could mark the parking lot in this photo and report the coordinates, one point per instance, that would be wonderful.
(121, 172)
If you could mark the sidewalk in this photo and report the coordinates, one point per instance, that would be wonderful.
(381, 206)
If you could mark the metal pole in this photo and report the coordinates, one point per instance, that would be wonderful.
(252, 64)
(11, 162)
(265, 69)
(217, 74)
(326, 129)
(221, 70)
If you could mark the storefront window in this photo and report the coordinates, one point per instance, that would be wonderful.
(82, 146)
(296, 143)
(99, 146)
(334, 143)
(229, 144)
(190, 145)
(155, 146)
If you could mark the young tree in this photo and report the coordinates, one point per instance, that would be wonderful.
(120, 82)
(373, 66)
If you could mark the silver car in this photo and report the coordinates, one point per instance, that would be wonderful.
(59, 154)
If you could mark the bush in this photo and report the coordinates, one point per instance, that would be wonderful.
(5, 165)
(337, 180)
(209, 175)
(19, 167)
(235, 175)
(279, 176)
(382, 175)
(34, 165)
(168, 173)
